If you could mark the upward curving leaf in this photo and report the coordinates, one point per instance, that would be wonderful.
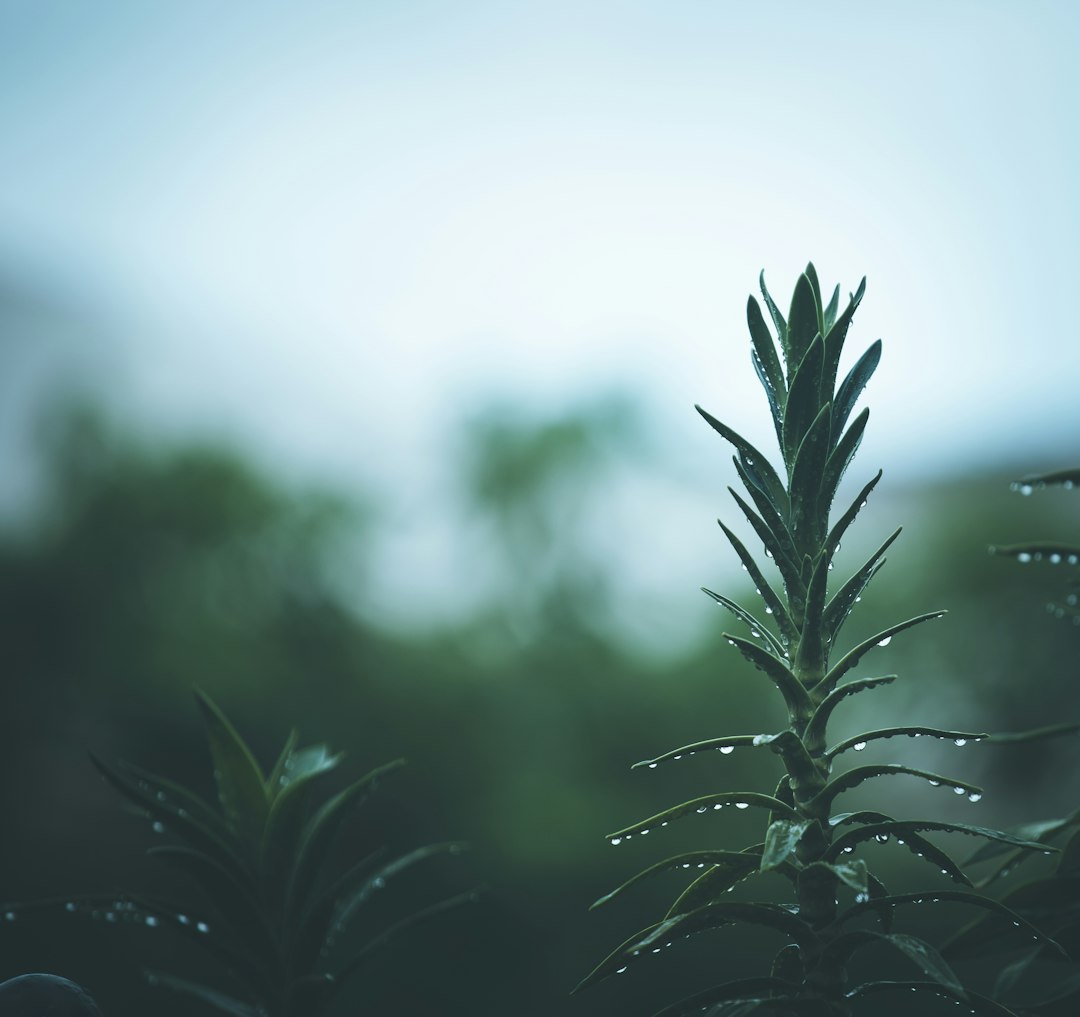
(241, 788)
(853, 385)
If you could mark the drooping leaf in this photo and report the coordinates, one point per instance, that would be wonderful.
(878, 824)
(721, 913)
(854, 655)
(240, 783)
(734, 860)
(859, 741)
(1033, 482)
(959, 897)
(707, 803)
(728, 742)
(855, 776)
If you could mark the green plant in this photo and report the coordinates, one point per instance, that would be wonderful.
(278, 925)
(805, 841)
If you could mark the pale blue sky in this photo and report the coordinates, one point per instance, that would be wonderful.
(332, 228)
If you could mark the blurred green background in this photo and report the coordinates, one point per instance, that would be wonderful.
(347, 362)
(149, 564)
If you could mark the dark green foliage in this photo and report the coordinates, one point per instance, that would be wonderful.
(831, 889)
(279, 925)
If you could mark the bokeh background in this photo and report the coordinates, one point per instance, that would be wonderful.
(347, 362)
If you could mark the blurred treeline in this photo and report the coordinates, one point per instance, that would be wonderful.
(151, 567)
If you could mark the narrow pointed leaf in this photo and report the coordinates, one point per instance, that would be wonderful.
(774, 487)
(708, 803)
(719, 744)
(854, 655)
(240, 784)
(765, 349)
(779, 548)
(790, 687)
(815, 730)
(1033, 482)
(853, 385)
(960, 738)
(829, 314)
(1034, 735)
(715, 882)
(275, 779)
(779, 323)
(745, 616)
(837, 335)
(617, 962)
(772, 601)
(838, 462)
(854, 777)
(838, 608)
(836, 534)
(959, 897)
(319, 831)
(692, 860)
(803, 324)
(807, 470)
(721, 913)
(804, 400)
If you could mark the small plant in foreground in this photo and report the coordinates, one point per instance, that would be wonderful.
(805, 841)
(277, 925)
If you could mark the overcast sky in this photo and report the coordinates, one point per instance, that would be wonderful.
(331, 229)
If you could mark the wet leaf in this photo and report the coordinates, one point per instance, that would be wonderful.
(958, 737)
(853, 385)
(804, 400)
(742, 990)
(212, 997)
(708, 803)
(733, 861)
(711, 744)
(780, 841)
(815, 730)
(919, 952)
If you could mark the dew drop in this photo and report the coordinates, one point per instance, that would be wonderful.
(718, 805)
(861, 898)
(974, 797)
(935, 783)
(652, 766)
(9, 916)
(1024, 489)
(619, 971)
(1023, 557)
(679, 756)
(881, 838)
(859, 746)
(616, 840)
(960, 742)
(202, 927)
(110, 916)
(70, 906)
(378, 883)
(885, 641)
(959, 791)
(847, 850)
(1073, 559)
(151, 921)
(643, 832)
(1055, 559)
(742, 805)
(726, 750)
(183, 919)
(768, 610)
(704, 808)
(157, 826)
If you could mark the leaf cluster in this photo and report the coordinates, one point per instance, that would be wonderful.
(814, 849)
